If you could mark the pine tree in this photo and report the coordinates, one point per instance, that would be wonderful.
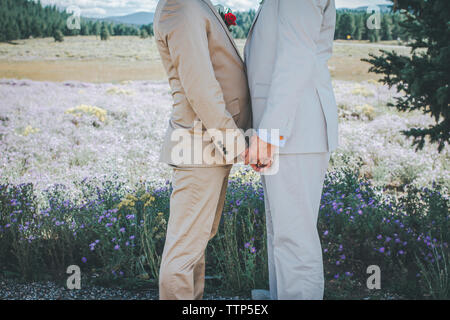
(104, 33)
(12, 31)
(238, 33)
(110, 28)
(347, 25)
(386, 27)
(337, 34)
(96, 29)
(425, 75)
(359, 27)
(36, 28)
(374, 35)
(84, 31)
(396, 30)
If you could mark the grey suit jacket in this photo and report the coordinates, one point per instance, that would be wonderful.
(286, 56)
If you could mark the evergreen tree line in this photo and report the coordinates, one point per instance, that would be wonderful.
(353, 25)
(22, 19)
(244, 21)
(350, 24)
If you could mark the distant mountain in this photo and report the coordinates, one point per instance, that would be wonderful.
(383, 7)
(138, 18)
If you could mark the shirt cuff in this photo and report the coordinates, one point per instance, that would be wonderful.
(280, 142)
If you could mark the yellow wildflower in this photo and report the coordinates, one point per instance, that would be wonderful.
(362, 91)
(89, 110)
(367, 110)
(122, 91)
(30, 130)
(128, 201)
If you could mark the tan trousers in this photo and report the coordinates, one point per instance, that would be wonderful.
(292, 199)
(196, 207)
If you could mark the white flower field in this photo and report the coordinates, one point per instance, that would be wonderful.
(63, 132)
(117, 129)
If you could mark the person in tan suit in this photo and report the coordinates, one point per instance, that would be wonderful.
(286, 55)
(211, 98)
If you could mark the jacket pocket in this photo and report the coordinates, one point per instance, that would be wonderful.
(233, 107)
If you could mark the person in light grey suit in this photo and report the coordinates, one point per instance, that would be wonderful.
(286, 56)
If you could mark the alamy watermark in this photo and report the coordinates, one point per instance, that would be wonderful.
(374, 21)
(196, 146)
(374, 280)
(74, 280)
(74, 21)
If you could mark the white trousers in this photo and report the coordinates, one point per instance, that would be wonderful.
(292, 200)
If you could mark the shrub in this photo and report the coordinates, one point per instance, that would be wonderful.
(118, 234)
(144, 34)
(58, 36)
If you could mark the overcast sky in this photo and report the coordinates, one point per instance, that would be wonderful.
(99, 8)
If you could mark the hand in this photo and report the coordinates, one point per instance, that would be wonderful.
(243, 156)
(260, 154)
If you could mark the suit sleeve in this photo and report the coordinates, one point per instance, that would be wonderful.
(325, 42)
(299, 25)
(185, 34)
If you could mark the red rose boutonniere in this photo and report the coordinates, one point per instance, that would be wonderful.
(228, 17)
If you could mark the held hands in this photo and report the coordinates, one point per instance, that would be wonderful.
(260, 154)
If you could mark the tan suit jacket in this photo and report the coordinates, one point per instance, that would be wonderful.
(207, 77)
(286, 54)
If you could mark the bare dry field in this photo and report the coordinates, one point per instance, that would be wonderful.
(96, 71)
(88, 59)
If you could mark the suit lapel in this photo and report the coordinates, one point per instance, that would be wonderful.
(213, 9)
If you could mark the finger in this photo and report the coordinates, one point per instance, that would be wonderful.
(253, 157)
(245, 157)
(270, 164)
(267, 165)
(265, 161)
(266, 168)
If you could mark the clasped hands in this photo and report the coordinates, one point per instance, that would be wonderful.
(259, 155)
